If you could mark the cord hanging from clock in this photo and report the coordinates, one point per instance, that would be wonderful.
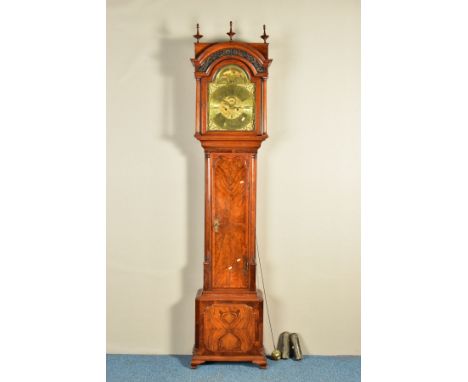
(265, 293)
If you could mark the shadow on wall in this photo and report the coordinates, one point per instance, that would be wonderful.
(178, 127)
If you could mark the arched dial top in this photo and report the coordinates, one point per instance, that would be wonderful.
(231, 100)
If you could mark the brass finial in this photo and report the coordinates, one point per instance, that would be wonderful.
(264, 36)
(230, 33)
(198, 36)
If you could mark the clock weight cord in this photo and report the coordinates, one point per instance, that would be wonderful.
(275, 354)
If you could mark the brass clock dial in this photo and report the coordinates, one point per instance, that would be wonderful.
(231, 100)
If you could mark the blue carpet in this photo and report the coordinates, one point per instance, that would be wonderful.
(176, 368)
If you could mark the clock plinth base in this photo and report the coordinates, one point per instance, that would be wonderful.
(259, 360)
(229, 328)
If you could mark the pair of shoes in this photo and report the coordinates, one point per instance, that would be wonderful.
(288, 343)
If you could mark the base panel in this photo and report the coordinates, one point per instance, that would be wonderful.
(229, 328)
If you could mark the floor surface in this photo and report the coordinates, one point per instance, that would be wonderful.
(176, 368)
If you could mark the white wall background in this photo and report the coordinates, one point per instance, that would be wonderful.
(309, 196)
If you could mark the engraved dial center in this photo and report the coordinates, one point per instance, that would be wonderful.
(231, 107)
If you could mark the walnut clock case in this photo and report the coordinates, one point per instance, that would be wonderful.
(231, 125)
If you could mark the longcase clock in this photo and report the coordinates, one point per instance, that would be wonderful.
(231, 125)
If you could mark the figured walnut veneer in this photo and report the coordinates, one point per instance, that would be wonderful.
(229, 328)
(230, 190)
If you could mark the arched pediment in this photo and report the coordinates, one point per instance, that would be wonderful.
(253, 58)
